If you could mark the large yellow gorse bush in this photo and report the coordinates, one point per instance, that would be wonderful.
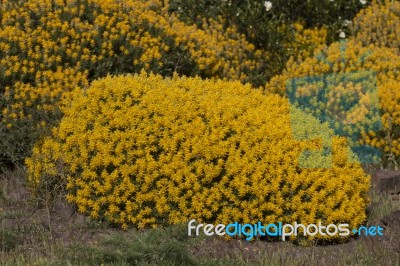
(146, 151)
(351, 58)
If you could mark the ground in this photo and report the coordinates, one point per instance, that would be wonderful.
(48, 231)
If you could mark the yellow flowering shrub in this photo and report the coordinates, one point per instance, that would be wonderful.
(350, 60)
(48, 47)
(305, 41)
(146, 151)
(379, 24)
(30, 110)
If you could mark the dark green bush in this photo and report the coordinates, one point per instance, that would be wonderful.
(272, 29)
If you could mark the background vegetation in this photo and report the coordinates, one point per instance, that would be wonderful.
(67, 119)
(285, 29)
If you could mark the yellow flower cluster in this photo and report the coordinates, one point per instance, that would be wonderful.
(379, 24)
(231, 58)
(146, 151)
(305, 41)
(349, 59)
(51, 92)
